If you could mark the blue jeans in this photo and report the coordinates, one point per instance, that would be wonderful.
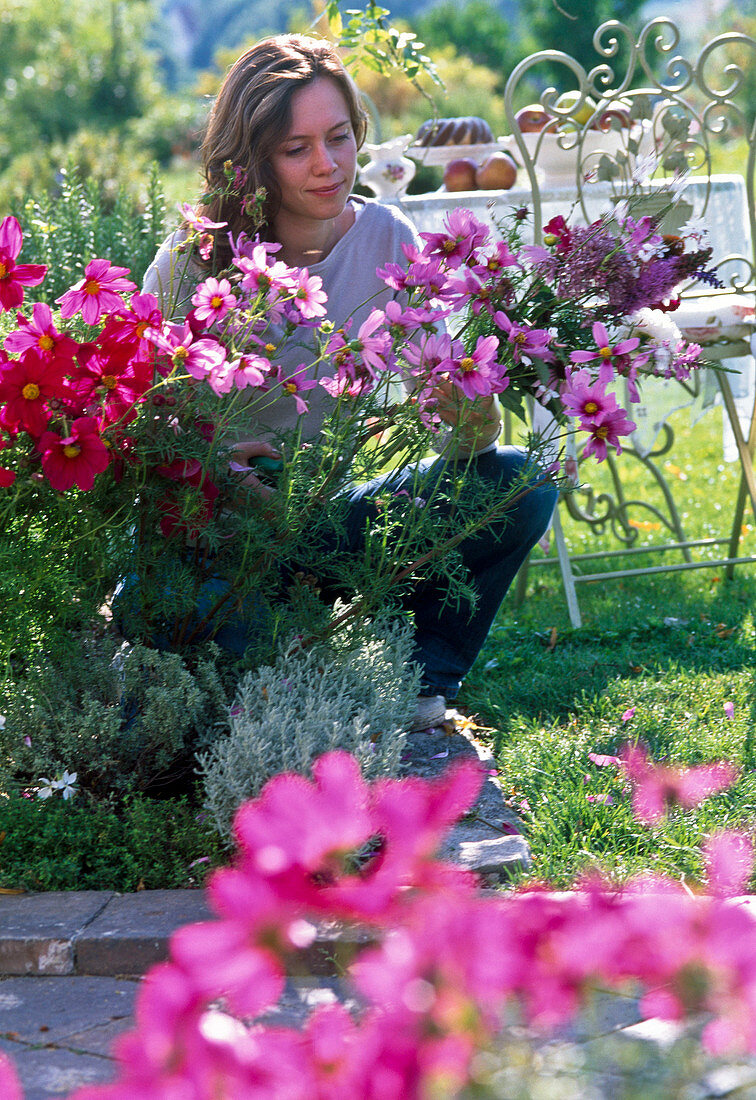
(448, 637)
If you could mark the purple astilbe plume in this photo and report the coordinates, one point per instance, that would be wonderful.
(654, 282)
(595, 264)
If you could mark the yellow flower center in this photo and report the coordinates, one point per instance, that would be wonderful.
(180, 355)
(520, 338)
(467, 364)
(448, 246)
(46, 342)
(601, 432)
(290, 387)
(605, 353)
(72, 450)
(141, 329)
(30, 391)
(270, 348)
(590, 407)
(91, 286)
(216, 301)
(3, 271)
(549, 238)
(109, 382)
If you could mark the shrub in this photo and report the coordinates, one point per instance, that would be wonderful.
(82, 844)
(124, 719)
(355, 693)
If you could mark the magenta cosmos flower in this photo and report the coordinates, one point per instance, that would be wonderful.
(524, 339)
(477, 374)
(14, 277)
(74, 459)
(25, 388)
(97, 293)
(605, 431)
(463, 234)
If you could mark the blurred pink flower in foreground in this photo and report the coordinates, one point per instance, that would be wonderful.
(658, 786)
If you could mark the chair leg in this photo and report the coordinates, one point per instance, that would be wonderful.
(746, 449)
(565, 566)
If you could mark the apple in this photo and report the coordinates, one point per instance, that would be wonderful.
(498, 172)
(532, 119)
(568, 104)
(459, 174)
(605, 120)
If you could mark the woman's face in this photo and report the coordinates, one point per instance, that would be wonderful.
(316, 162)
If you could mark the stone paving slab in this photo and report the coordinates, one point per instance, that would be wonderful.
(59, 1030)
(37, 931)
(131, 933)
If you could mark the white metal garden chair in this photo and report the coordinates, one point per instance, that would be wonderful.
(650, 100)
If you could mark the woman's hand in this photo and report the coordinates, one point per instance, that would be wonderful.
(478, 422)
(243, 458)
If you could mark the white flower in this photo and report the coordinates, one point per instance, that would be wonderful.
(66, 784)
(645, 167)
(697, 230)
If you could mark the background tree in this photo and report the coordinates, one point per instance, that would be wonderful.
(569, 25)
(483, 31)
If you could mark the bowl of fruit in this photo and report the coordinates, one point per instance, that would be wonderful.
(567, 145)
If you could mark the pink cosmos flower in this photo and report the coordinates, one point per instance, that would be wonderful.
(197, 221)
(583, 396)
(729, 709)
(249, 370)
(729, 862)
(41, 336)
(14, 277)
(213, 299)
(605, 430)
(26, 386)
(462, 235)
(478, 373)
(10, 1086)
(493, 261)
(402, 321)
(427, 356)
(199, 357)
(628, 714)
(111, 375)
(271, 281)
(604, 350)
(309, 297)
(525, 340)
(603, 761)
(74, 459)
(655, 786)
(98, 292)
(294, 385)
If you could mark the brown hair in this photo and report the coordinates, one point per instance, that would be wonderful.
(251, 114)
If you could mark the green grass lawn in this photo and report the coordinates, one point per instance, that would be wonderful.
(676, 647)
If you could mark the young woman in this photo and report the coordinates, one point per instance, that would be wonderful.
(289, 117)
